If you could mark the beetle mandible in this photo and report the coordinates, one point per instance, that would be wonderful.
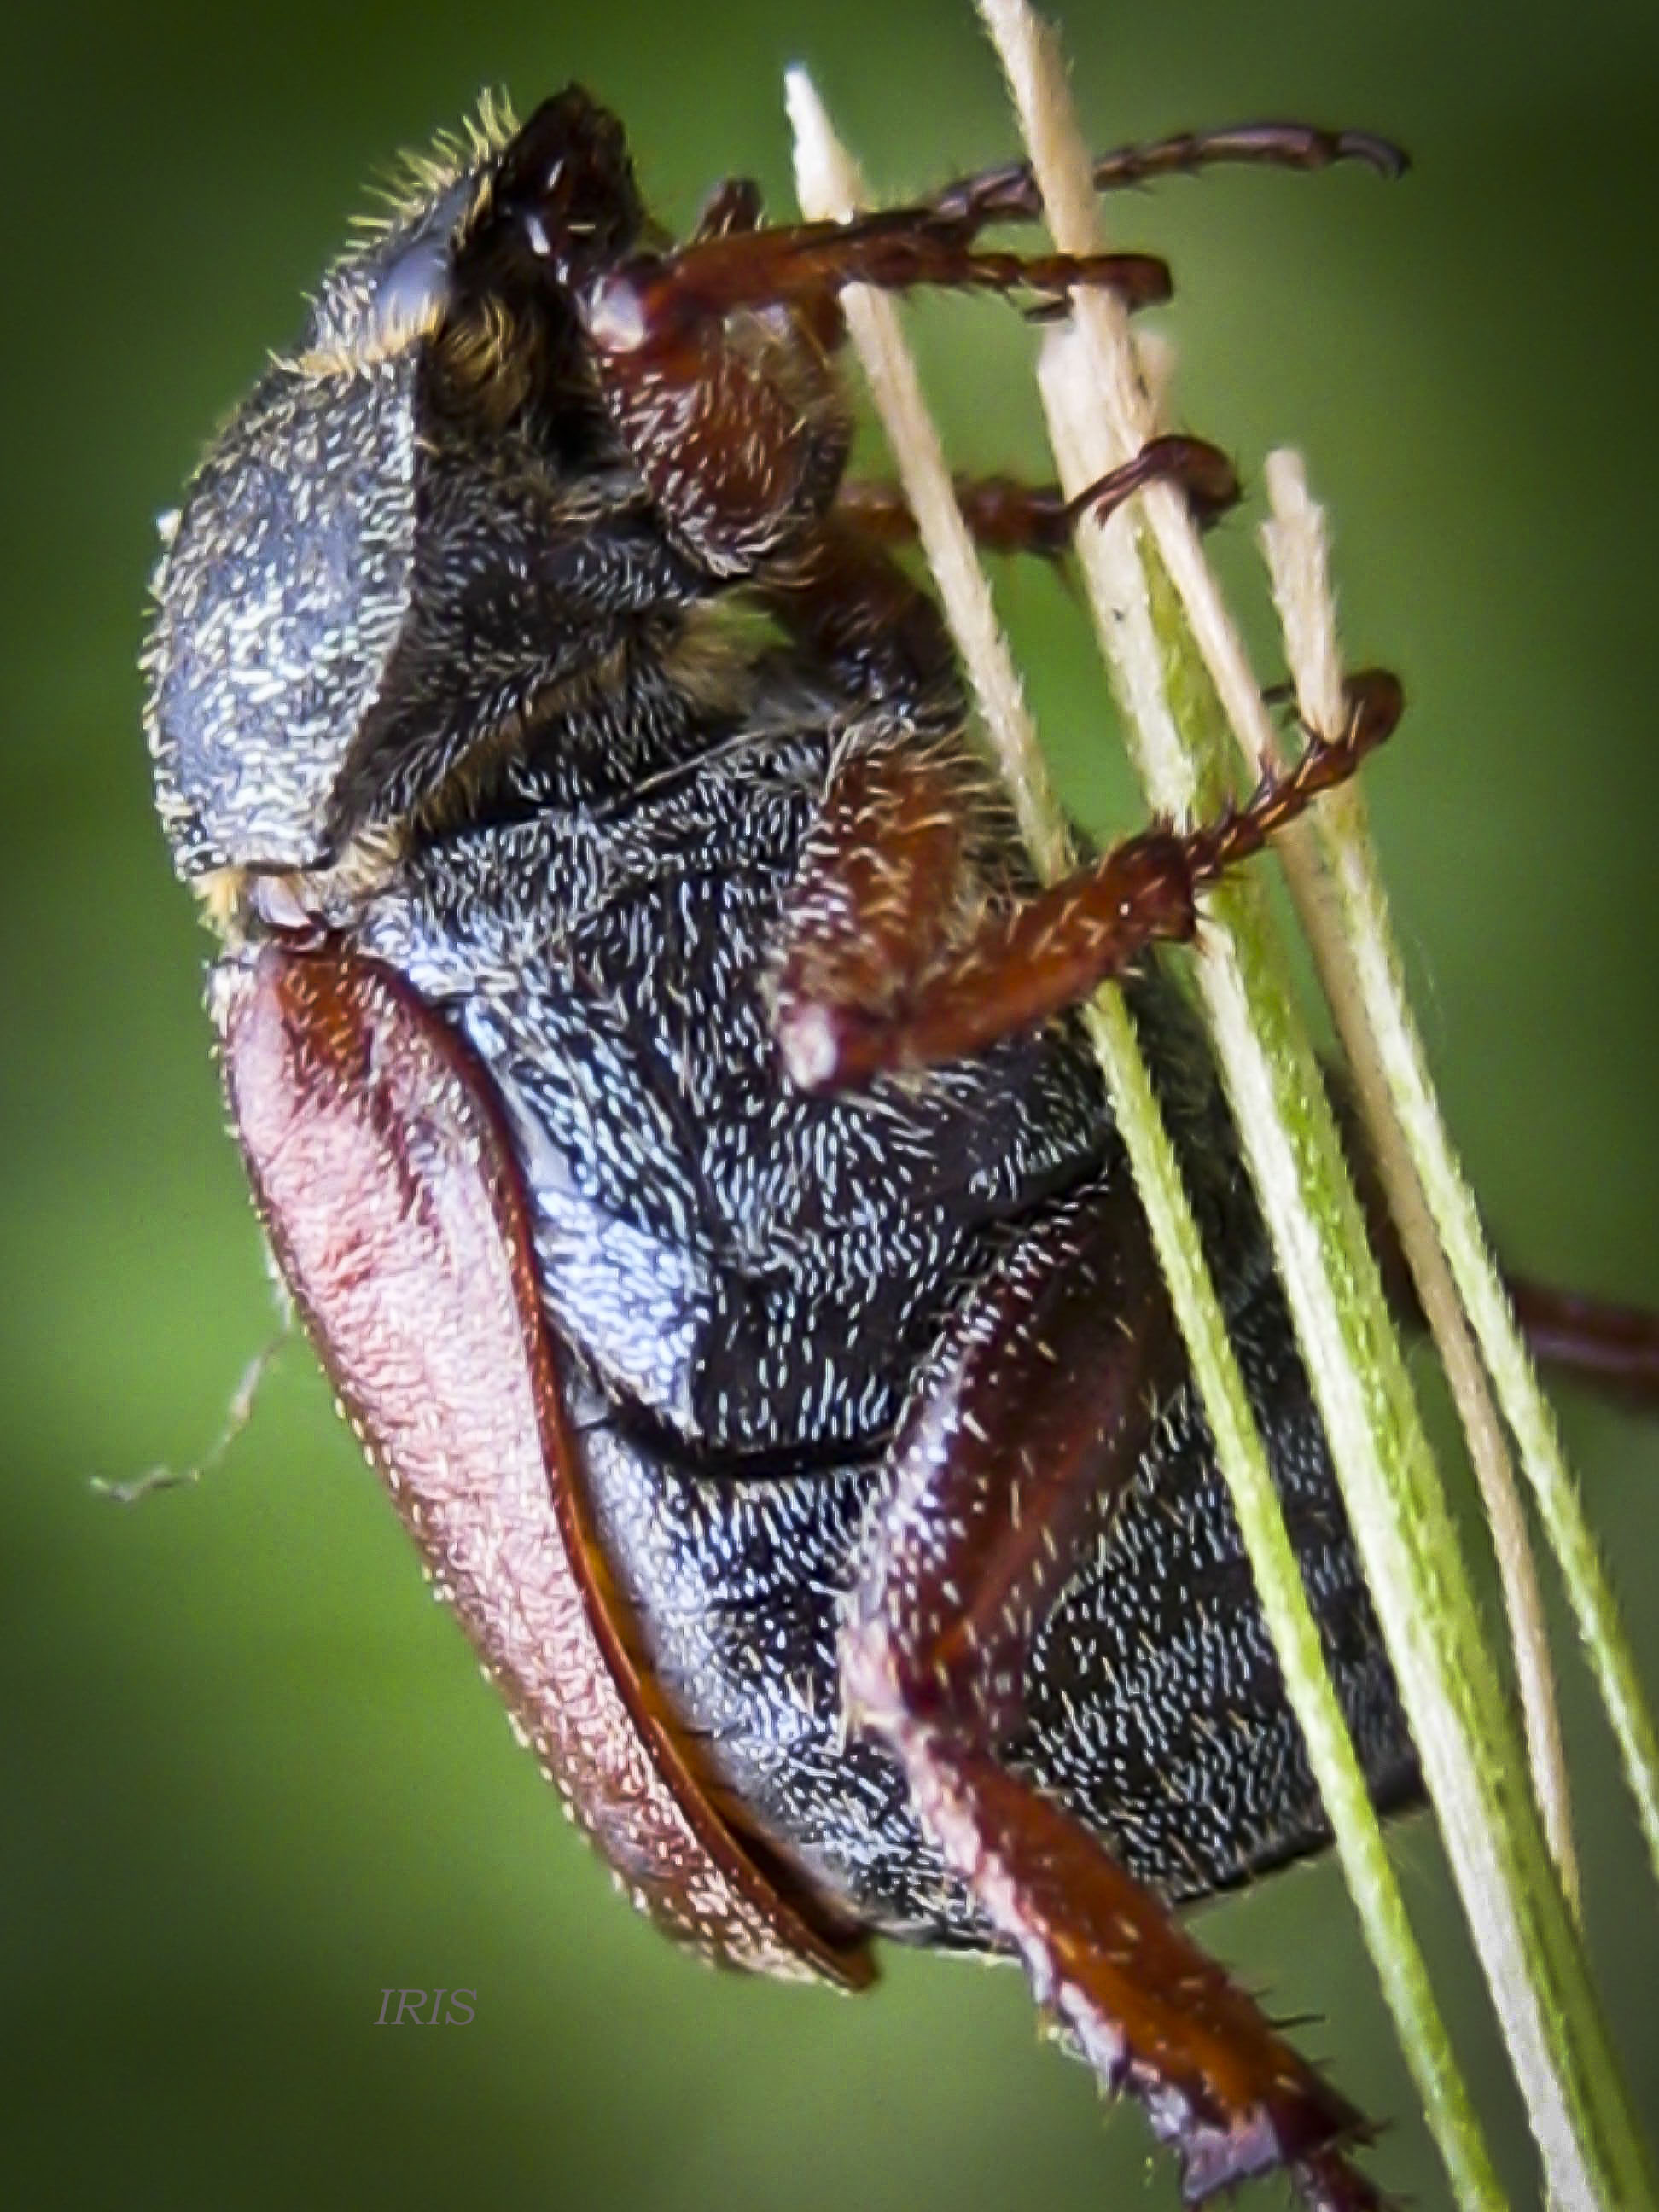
(652, 1055)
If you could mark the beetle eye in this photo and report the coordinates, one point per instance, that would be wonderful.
(372, 307)
(410, 297)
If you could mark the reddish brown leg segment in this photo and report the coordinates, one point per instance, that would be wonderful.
(743, 453)
(841, 595)
(1010, 194)
(741, 446)
(1006, 516)
(1611, 1347)
(739, 459)
(1025, 962)
(648, 306)
(1018, 1446)
(1615, 1346)
(874, 890)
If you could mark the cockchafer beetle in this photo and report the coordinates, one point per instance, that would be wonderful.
(653, 1059)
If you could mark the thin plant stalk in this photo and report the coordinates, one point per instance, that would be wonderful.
(1524, 1407)
(1294, 545)
(1580, 2113)
(828, 186)
(1374, 989)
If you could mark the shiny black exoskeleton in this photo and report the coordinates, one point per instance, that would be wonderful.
(751, 1278)
(456, 671)
(431, 672)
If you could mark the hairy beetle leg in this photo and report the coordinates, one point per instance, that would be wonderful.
(1005, 515)
(1010, 194)
(1025, 962)
(741, 454)
(649, 307)
(861, 614)
(869, 914)
(873, 892)
(1010, 1463)
(740, 466)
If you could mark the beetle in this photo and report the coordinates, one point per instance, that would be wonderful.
(652, 1058)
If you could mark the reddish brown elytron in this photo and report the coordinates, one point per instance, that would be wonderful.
(394, 1208)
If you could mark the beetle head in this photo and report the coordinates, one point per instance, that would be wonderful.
(316, 574)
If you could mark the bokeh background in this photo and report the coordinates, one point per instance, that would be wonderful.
(254, 1778)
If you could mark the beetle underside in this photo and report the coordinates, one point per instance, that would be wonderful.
(652, 1058)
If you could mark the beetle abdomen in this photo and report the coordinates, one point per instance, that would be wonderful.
(753, 1269)
(1157, 1711)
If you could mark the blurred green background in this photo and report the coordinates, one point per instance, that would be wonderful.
(254, 1778)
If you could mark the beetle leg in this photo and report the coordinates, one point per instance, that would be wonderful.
(1026, 961)
(858, 616)
(1608, 1346)
(875, 889)
(1005, 515)
(886, 883)
(1010, 194)
(865, 620)
(651, 305)
(1018, 1447)
(742, 444)
(1613, 1346)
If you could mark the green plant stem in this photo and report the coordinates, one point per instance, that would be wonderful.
(1580, 2113)
(1295, 543)
(1240, 1451)
(1353, 872)
(830, 187)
